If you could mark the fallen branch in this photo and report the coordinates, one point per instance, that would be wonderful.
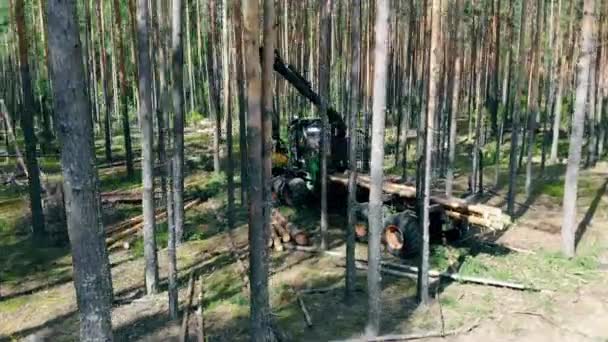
(419, 336)
(412, 271)
(463, 278)
(304, 310)
(133, 225)
(200, 332)
(320, 289)
(184, 330)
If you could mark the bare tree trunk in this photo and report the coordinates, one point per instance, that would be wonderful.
(562, 78)
(27, 125)
(515, 119)
(177, 51)
(238, 29)
(569, 225)
(352, 147)
(103, 67)
(324, 92)
(534, 97)
(92, 277)
(123, 88)
(214, 80)
(147, 154)
(258, 233)
(434, 79)
(377, 159)
(453, 115)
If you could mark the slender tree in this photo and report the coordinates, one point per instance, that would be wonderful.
(515, 117)
(27, 125)
(122, 76)
(147, 143)
(258, 234)
(177, 52)
(377, 159)
(324, 89)
(578, 124)
(454, 106)
(434, 79)
(240, 79)
(352, 147)
(92, 278)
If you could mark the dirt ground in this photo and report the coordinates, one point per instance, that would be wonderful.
(571, 306)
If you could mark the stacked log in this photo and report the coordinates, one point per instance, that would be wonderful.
(481, 215)
(129, 229)
(283, 231)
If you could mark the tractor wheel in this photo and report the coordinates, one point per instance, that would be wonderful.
(295, 192)
(401, 235)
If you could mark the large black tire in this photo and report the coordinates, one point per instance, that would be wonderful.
(401, 235)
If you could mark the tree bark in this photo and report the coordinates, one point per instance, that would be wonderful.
(177, 52)
(92, 277)
(453, 114)
(569, 225)
(434, 79)
(240, 79)
(122, 76)
(515, 117)
(258, 233)
(377, 160)
(147, 143)
(27, 125)
(534, 97)
(324, 92)
(352, 147)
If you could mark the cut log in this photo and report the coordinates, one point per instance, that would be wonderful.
(289, 231)
(457, 208)
(133, 225)
(279, 222)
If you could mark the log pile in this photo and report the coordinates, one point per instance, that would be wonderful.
(285, 232)
(481, 215)
(128, 230)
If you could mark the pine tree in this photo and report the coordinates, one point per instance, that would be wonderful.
(92, 277)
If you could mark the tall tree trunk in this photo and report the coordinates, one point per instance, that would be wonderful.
(434, 79)
(238, 29)
(217, 134)
(103, 72)
(27, 125)
(352, 148)
(267, 95)
(562, 78)
(515, 117)
(228, 113)
(92, 277)
(162, 98)
(147, 146)
(453, 114)
(377, 159)
(177, 51)
(324, 92)
(534, 96)
(258, 234)
(122, 76)
(569, 225)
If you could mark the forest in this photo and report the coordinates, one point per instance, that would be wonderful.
(303, 170)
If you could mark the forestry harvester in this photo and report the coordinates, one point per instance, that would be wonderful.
(296, 179)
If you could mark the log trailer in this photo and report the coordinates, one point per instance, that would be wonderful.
(296, 178)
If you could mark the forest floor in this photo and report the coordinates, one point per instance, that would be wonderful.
(37, 300)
